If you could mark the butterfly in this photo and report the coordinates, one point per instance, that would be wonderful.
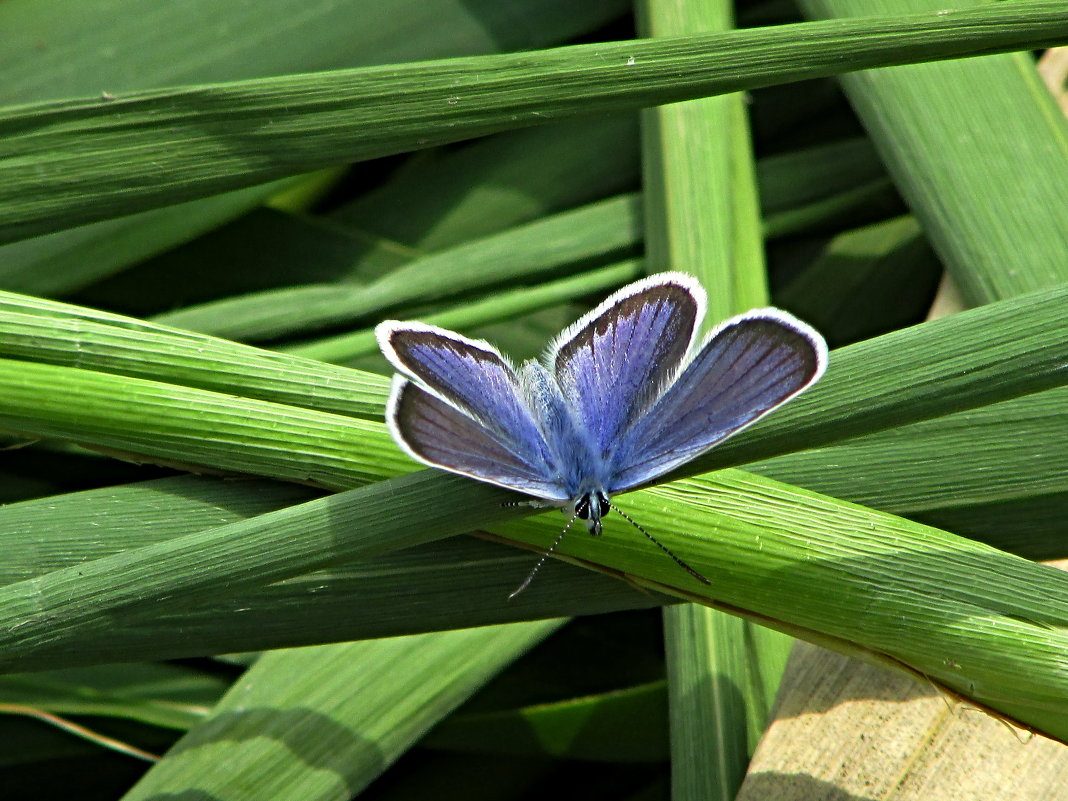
(620, 397)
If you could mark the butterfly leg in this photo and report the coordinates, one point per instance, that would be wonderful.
(536, 503)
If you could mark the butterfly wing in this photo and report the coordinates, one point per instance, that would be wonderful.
(435, 433)
(614, 362)
(748, 366)
(461, 408)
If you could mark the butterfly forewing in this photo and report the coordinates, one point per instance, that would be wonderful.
(749, 366)
(438, 434)
(612, 364)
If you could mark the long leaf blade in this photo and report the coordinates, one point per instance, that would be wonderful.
(73, 162)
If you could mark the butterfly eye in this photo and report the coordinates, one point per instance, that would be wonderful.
(582, 507)
(590, 508)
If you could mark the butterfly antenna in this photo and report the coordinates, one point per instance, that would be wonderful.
(659, 544)
(544, 556)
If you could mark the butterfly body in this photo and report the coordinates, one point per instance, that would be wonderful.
(578, 465)
(617, 401)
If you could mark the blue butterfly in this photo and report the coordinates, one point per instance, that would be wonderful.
(616, 402)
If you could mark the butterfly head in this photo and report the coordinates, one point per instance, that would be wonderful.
(590, 507)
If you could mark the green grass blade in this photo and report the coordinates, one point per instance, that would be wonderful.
(913, 594)
(171, 696)
(74, 336)
(791, 558)
(489, 191)
(955, 422)
(980, 151)
(915, 374)
(843, 292)
(698, 166)
(322, 723)
(802, 177)
(253, 253)
(500, 181)
(608, 228)
(457, 583)
(1032, 527)
(856, 206)
(578, 234)
(496, 308)
(1005, 451)
(901, 471)
(628, 725)
(219, 561)
(73, 162)
(886, 381)
(171, 424)
(67, 529)
(171, 46)
(68, 260)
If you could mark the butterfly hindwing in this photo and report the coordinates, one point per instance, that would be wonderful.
(438, 434)
(613, 362)
(748, 366)
(471, 386)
